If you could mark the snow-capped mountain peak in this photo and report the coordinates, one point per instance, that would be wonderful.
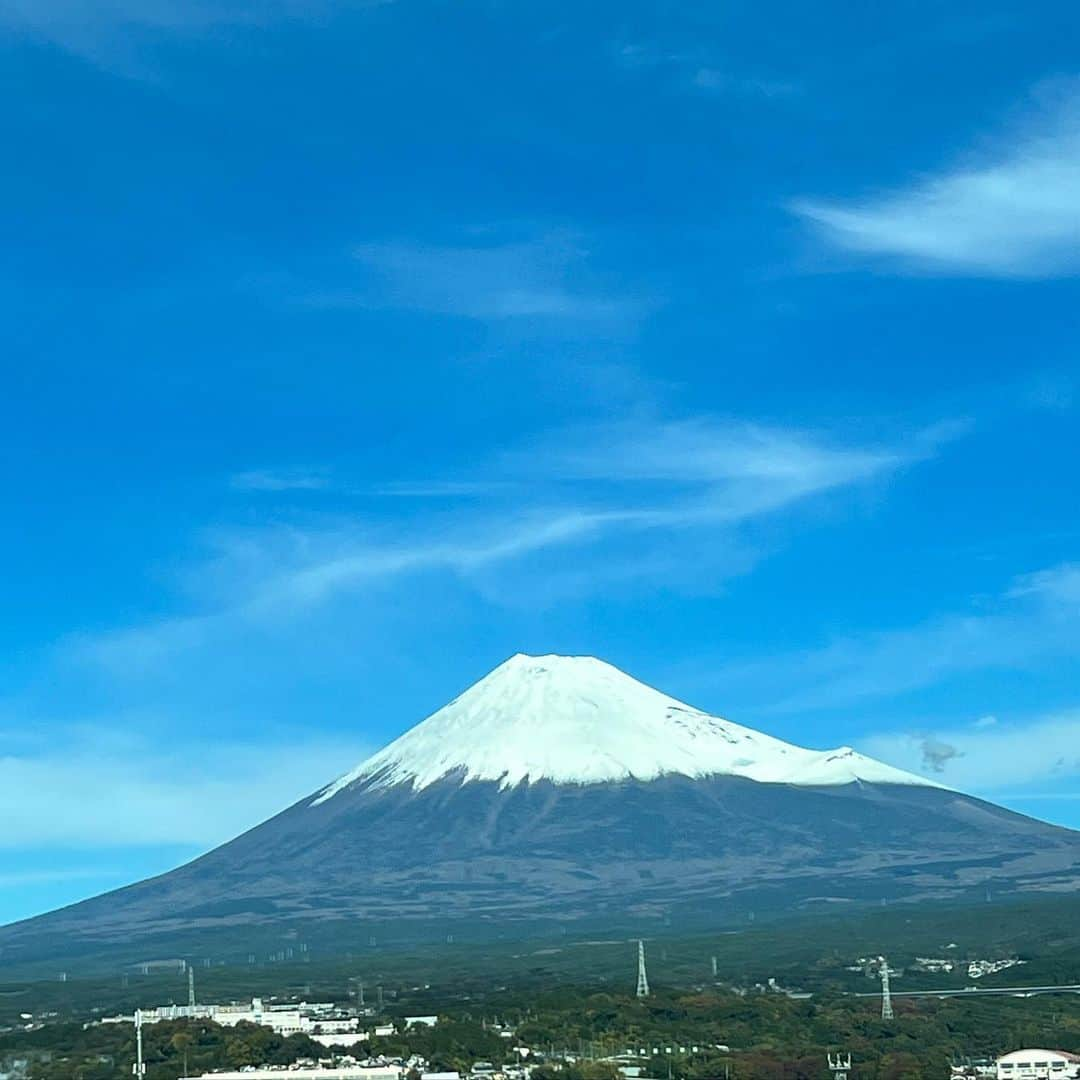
(579, 720)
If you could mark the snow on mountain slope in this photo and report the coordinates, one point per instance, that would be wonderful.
(578, 720)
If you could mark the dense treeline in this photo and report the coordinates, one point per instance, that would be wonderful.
(768, 1036)
(772, 1036)
(171, 1049)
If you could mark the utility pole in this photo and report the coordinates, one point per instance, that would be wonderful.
(139, 1069)
(642, 977)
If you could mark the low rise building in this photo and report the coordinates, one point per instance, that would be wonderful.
(346, 1039)
(978, 968)
(293, 1019)
(1038, 1065)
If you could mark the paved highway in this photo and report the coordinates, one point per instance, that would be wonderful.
(972, 991)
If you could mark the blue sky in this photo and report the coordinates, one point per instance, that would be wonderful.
(352, 347)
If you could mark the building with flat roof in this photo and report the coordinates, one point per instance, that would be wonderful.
(1038, 1065)
(285, 1019)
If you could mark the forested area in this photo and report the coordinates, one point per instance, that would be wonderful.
(767, 1036)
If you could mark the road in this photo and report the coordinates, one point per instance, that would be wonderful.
(1018, 991)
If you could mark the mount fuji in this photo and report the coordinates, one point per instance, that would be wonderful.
(577, 720)
(561, 790)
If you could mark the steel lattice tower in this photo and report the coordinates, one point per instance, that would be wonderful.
(886, 994)
(642, 978)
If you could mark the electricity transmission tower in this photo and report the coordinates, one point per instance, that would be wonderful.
(642, 978)
(886, 993)
(840, 1066)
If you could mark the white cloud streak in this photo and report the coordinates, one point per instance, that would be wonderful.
(1035, 620)
(544, 277)
(635, 485)
(276, 480)
(117, 35)
(1012, 210)
(72, 21)
(695, 69)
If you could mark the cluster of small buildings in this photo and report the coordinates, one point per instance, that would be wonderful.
(1032, 1064)
(347, 1068)
(321, 1021)
(306, 1070)
(939, 965)
(978, 968)
(936, 964)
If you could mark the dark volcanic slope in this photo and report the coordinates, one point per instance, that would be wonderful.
(455, 853)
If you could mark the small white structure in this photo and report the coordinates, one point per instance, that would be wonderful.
(346, 1039)
(978, 968)
(421, 1021)
(1038, 1065)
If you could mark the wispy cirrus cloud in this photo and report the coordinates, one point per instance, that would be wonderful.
(694, 69)
(277, 480)
(487, 274)
(719, 81)
(63, 16)
(598, 497)
(1031, 625)
(115, 34)
(1033, 622)
(1010, 209)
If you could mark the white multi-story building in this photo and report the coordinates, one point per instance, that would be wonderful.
(1038, 1065)
(304, 1018)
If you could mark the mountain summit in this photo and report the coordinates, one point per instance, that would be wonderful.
(579, 720)
(559, 790)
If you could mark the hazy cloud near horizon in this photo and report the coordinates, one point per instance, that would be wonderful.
(135, 791)
(996, 761)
